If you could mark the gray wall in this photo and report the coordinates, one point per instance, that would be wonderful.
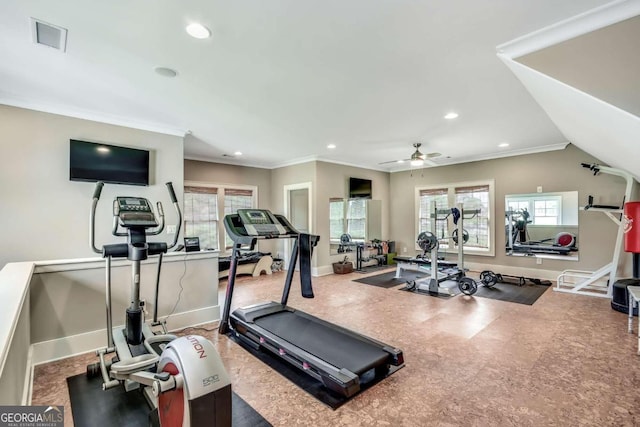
(333, 182)
(68, 302)
(219, 173)
(327, 180)
(46, 216)
(555, 171)
(296, 174)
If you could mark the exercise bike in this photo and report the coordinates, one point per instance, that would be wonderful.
(183, 379)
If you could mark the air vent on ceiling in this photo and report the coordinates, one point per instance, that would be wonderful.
(441, 160)
(50, 35)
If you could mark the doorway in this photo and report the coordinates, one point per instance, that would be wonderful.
(297, 209)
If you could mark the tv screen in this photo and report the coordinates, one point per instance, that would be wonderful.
(359, 188)
(92, 162)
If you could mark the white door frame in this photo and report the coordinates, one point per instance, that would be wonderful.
(287, 209)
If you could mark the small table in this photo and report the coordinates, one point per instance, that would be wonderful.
(634, 298)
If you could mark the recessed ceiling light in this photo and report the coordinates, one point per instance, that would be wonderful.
(451, 116)
(238, 153)
(504, 144)
(166, 72)
(198, 31)
(331, 146)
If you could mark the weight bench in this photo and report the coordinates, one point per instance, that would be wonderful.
(253, 263)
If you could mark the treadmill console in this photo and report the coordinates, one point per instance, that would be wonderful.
(134, 212)
(261, 222)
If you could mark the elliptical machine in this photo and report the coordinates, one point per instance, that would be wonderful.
(184, 379)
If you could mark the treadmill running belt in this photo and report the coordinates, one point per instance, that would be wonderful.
(330, 345)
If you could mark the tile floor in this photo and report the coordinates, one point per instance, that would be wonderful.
(565, 361)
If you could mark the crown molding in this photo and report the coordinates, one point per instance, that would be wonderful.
(492, 156)
(575, 26)
(94, 116)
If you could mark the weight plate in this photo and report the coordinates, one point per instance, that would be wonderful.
(465, 236)
(488, 278)
(467, 286)
(427, 241)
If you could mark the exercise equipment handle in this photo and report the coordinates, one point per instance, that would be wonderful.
(98, 190)
(92, 220)
(174, 200)
(172, 193)
(593, 166)
(160, 227)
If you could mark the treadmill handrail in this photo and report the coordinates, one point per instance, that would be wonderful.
(240, 237)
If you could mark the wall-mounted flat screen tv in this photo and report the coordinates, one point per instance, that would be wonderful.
(359, 188)
(92, 162)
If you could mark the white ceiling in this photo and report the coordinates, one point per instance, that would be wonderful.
(279, 80)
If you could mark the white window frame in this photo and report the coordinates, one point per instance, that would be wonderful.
(222, 233)
(451, 194)
(363, 219)
(344, 222)
(530, 199)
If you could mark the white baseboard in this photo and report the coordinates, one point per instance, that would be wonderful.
(60, 348)
(536, 273)
(323, 270)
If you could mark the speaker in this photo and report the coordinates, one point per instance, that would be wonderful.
(191, 244)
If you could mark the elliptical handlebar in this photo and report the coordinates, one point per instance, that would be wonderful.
(174, 200)
(92, 221)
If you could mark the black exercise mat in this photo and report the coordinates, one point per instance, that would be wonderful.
(526, 294)
(306, 382)
(93, 407)
(388, 280)
(372, 268)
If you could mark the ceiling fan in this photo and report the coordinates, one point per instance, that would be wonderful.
(417, 158)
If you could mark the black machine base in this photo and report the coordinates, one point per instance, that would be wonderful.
(620, 297)
(91, 406)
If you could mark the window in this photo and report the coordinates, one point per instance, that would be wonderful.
(477, 224)
(336, 218)
(474, 197)
(357, 218)
(426, 214)
(201, 215)
(543, 209)
(205, 205)
(235, 199)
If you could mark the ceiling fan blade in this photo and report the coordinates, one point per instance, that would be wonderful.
(432, 155)
(395, 161)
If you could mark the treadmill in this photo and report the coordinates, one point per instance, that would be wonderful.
(341, 359)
